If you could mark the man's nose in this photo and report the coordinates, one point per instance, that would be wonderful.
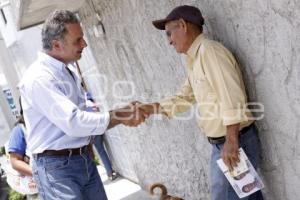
(83, 43)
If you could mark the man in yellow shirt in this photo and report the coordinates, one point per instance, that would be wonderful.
(215, 83)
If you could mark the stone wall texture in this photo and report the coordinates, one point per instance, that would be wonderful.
(264, 37)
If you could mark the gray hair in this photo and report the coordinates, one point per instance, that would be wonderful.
(54, 27)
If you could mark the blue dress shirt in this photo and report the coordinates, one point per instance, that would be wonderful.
(54, 108)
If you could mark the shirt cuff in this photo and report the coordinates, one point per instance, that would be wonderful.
(167, 106)
(17, 151)
(102, 124)
(234, 116)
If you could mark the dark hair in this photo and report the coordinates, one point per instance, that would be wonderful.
(54, 27)
(20, 119)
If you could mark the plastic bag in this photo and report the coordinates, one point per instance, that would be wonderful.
(22, 184)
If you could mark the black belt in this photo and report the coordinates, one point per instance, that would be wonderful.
(221, 140)
(64, 152)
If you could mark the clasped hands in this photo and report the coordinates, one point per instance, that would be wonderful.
(134, 114)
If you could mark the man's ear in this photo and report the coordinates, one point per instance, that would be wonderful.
(183, 24)
(56, 45)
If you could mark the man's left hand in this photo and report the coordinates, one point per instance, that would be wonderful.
(230, 154)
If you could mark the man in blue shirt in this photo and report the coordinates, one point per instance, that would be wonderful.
(19, 157)
(17, 151)
(58, 126)
(19, 160)
(17, 143)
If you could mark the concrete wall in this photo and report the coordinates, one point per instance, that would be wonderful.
(133, 61)
(263, 35)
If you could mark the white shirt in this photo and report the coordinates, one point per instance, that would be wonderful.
(53, 103)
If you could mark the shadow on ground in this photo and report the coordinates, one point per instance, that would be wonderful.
(139, 195)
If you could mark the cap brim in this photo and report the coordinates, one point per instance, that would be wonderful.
(160, 24)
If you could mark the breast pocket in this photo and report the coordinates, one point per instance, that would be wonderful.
(200, 89)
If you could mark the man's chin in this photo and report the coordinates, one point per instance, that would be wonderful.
(179, 51)
(78, 56)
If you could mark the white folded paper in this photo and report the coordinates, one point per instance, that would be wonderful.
(244, 178)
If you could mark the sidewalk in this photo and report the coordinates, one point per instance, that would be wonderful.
(123, 189)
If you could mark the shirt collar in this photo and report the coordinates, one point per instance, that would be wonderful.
(191, 53)
(57, 64)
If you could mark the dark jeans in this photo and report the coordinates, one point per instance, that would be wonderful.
(220, 187)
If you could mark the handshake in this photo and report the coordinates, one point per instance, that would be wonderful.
(134, 114)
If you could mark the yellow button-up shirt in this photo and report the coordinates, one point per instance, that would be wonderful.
(215, 83)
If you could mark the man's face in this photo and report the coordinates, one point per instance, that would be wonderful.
(247, 188)
(73, 43)
(176, 34)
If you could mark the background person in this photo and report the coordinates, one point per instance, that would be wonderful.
(19, 156)
(98, 141)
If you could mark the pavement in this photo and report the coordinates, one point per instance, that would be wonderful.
(119, 189)
(123, 189)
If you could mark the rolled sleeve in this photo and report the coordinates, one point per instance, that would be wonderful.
(180, 102)
(103, 124)
(234, 116)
